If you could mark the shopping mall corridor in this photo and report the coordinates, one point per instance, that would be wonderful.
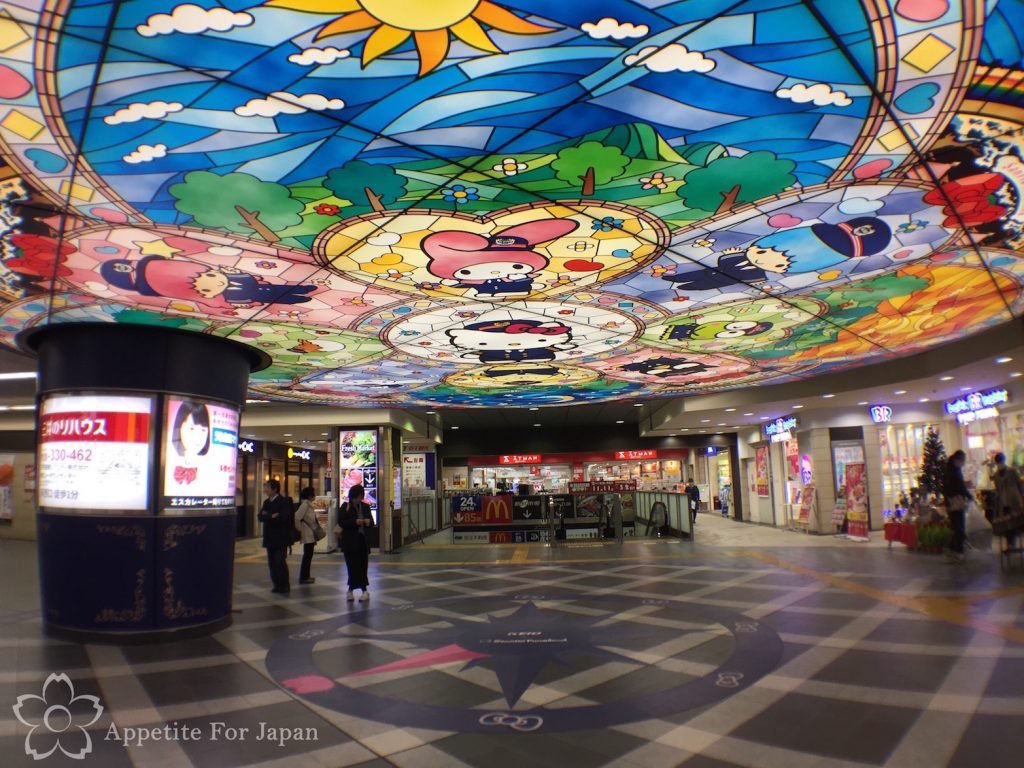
(747, 647)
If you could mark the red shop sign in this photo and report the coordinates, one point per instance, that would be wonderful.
(520, 458)
(648, 453)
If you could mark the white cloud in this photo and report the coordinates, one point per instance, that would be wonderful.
(312, 56)
(609, 27)
(190, 19)
(672, 58)
(146, 152)
(284, 103)
(820, 93)
(154, 110)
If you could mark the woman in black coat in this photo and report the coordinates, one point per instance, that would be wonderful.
(957, 496)
(354, 520)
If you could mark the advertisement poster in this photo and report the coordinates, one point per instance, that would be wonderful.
(415, 467)
(761, 470)
(806, 504)
(6, 486)
(94, 452)
(30, 478)
(856, 502)
(200, 454)
(357, 465)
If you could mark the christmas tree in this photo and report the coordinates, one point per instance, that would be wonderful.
(933, 464)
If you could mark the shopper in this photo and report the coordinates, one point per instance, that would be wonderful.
(954, 489)
(1009, 500)
(305, 523)
(354, 522)
(694, 493)
(278, 524)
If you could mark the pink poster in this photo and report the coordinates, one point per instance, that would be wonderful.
(857, 501)
(761, 470)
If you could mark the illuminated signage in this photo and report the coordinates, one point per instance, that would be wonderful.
(598, 486)
(294, 454)
(200, 445)
(977, 405)
(246, 446)
(880, 414)
(629, 455)
(94, 452)
(780, 430)
(711, 450)
(525, 458)
(357, 464)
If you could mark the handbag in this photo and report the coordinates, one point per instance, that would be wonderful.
(318, 530)
(956, 503)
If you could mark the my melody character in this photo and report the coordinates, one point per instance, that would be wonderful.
(512, 341)
(215, 287)
(804, 249)
(500, 265)
(663, 367)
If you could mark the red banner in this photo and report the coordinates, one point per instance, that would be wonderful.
(520, 458)
(494, 510)
(630, 455)
(94, 427)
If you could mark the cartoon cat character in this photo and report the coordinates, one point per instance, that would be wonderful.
(512, 341)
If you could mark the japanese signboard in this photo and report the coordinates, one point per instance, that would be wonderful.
(630, 455)
(200, 454)
(520, 458)
(415, 466)
(977, 405)
(94, 452)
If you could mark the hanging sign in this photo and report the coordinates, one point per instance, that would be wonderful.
(977, 405)
(781, 429)
(880, 414)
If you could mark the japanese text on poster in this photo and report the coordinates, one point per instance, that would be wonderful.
(200, 455)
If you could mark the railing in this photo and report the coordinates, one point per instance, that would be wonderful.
(419, 517)
(660, 512)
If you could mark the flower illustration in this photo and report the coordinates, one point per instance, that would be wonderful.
(266, 265)
(58, 719)
(509, 166)
(707, 242)
(911, 226)
(460, 195)
(327, 209)
(656, 180)
(607, 224)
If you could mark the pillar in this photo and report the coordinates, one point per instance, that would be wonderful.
(137, 430)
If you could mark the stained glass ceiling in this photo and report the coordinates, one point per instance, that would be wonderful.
(486, 203)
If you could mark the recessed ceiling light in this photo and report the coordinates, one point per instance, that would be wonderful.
(945, 378)
(638, 405)
(764, 418)
(720, 425)
(965, 389)
(673, 434)
(1016, 374)
(536, 425)
(748, 414)
(32, 407)
(1002, 360)
(703, 430)
(325, 434)
(827, 396)
(685, 429)
(923, 400)
(533, 409)
(863, 402)
(454, 427)
(620, 421)
(729, 410)
(797, 406)
(22, 375)
(287, 434)
(705, 421)
(900, 392)
(431, 413)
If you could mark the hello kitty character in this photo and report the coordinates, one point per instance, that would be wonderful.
(500, 265)
(512, 341)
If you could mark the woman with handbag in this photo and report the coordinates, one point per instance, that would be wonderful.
(307, 524)
(954, 489)
(354, 520)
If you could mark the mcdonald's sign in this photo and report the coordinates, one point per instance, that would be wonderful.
(502, 537)
(497, 509)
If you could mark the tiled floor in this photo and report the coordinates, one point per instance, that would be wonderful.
(749, 647)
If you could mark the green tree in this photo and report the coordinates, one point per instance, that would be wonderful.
(379, 185)
(591, 163)
(933, 464)
(237, 202)
(723, 183)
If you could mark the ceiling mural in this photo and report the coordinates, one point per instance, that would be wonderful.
(476, 203)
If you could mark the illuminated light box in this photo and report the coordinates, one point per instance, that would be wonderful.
(94, 452)
(200, 454)
(780, 430)
(357, 464)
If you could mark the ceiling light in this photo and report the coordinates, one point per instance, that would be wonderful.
(533, 409)
(325, 434)
(945, 378)
(729, 410)
(620, 421)
(638, 405)
(1015, 375)
(965, 389)
(536, 425)
(764, 418)
(863, 402)
(32, 407)
(705, 421)
(431, 413)
(454, 427)
(720, 425)
(900, 392)
(749, 414)
(797, 406)
(923, 400)
(21, 375)
(1002, 360)
(827, 396)
(286, 434)
(685, 429)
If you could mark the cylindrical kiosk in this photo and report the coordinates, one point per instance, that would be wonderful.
(137, 435)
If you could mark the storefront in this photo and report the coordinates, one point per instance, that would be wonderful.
(648, 469)
(785, 457)
(258, 462)
(988, 427)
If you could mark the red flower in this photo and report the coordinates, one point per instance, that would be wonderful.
(327, 209)
(40, 256)
(970, 198)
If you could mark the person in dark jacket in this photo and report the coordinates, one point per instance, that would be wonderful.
(354, 521)
(278, 525)
(694, 493)
(954, 489)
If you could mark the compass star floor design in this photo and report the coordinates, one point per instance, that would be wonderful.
(749, 647)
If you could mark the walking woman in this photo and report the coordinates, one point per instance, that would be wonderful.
(957, 498)
(305, 522)
(354, 520)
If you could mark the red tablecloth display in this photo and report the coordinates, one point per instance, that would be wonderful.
(906, 533)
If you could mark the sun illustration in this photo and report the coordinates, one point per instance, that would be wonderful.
(429, 22)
